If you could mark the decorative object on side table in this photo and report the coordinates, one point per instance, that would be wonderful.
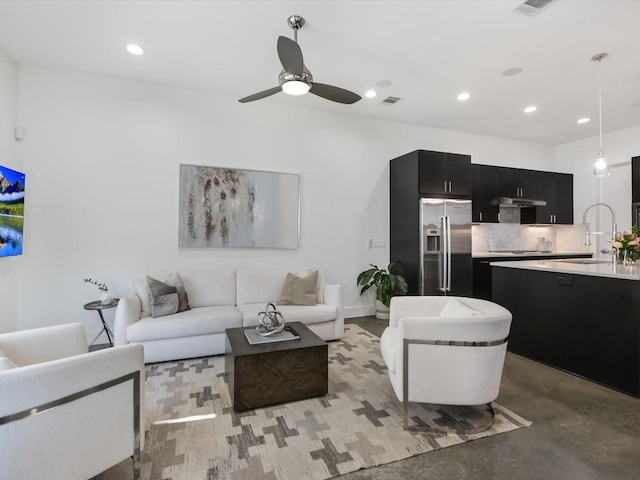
(271, 321)
(626, 246)
(105, 298)
(385, 284)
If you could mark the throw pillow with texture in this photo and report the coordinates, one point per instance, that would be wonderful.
(175, 280)
(299, 291)
(163, 298)
(456, 309)
(6, 363)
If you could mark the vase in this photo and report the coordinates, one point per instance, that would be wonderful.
(105, 298)
(382, 311)
(626, 258)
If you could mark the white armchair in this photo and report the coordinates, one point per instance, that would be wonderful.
(445, 350)
(64, 413)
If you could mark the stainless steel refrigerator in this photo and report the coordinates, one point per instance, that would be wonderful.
(447, 268)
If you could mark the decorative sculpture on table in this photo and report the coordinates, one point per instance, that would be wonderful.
(271, 321)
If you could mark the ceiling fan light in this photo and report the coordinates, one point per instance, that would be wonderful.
(295, 87)
(601, 166)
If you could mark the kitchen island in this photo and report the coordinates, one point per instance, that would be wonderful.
(579, 315)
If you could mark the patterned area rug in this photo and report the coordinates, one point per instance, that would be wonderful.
(193, 433)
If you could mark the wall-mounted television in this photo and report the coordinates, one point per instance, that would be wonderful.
(12, 189)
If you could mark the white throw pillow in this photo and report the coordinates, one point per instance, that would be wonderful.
(456, 309)
(6, 363)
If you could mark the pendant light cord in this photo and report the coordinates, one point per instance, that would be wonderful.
(600, 100)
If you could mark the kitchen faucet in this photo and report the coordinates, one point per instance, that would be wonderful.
(613, 232)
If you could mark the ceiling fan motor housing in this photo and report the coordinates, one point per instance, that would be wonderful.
(306, 77)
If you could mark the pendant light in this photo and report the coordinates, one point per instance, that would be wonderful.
(600, 165)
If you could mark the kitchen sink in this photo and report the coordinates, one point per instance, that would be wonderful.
(586, 261)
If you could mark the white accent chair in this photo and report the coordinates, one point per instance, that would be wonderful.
(445, 350)
(66, 414)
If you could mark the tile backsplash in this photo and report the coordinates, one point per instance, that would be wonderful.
(511, 236)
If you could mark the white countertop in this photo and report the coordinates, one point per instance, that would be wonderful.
(559, 266)
(526, 254)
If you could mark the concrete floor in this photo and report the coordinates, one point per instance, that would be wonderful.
(580, 431)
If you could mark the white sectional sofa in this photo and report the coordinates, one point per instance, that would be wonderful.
(220, 299)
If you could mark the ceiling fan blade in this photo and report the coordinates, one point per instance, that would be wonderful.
(258, 96)
(290, 55)
(335, 94)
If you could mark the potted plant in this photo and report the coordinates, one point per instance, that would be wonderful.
(385, 284)
(105, 298)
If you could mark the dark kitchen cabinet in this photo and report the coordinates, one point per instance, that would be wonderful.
(557, 190)
(635, 179)
(484, 190)
(482, 270)
(413, 176)
(518, 183)
(444, 174)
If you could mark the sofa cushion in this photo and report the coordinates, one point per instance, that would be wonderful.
(183, 299)
(292, 313)
(389, 348)
(210, 289)
(6, 363)
(456, 309)
(163, 298)
(299, 290)
(197, 321)
(142, 290)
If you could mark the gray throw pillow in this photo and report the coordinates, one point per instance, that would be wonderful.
(163, 298)
(175, 280)
(299, 291)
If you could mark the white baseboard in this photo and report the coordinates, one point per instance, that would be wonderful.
(359, 311)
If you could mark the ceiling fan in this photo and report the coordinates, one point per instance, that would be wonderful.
(296, 79)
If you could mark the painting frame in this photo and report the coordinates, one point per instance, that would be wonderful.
(234, 208)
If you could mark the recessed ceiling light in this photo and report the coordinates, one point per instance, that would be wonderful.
(370, 93)
(584, 120)
(134, 49)
(530, 109)
(510, 72)
(464, 96)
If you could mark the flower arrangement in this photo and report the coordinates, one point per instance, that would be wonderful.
(626, 245)
(101, 286)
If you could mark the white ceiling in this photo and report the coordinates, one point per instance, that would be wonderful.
(430, 50)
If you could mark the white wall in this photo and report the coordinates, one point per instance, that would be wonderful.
(577, 158)
(104, 156)
(8, 115)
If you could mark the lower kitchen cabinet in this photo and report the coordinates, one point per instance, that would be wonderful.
(482, 278)
(582, 324)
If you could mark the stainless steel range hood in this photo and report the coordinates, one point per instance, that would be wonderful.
(519, 202)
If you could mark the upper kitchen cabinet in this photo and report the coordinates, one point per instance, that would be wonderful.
(635, 179)
(444, 174)
(485, 188)
(557, 190)
(518, 183)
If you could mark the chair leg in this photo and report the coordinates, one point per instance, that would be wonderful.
(445, 430)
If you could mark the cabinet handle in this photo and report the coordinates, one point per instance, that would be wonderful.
(449, 186)
(498, 217)
(480, 216)
(445, 186)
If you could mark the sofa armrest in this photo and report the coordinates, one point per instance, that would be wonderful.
(333, 297)
(38, 345)
(127, 313)
(87, 402)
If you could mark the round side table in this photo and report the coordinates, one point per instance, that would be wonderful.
(98, 306)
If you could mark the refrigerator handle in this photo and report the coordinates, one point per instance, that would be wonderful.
(443, 254)
(448, 263)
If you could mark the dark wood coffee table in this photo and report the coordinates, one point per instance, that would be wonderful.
(272, 373)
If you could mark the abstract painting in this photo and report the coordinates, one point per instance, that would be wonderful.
(232, 208)
(12, 189)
